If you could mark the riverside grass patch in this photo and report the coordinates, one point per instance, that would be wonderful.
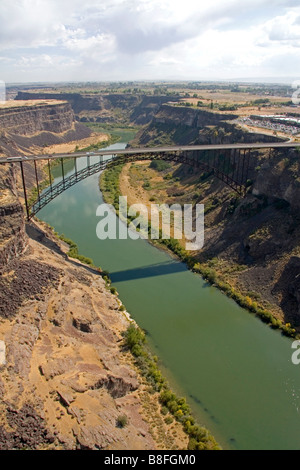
(74, 253)
(171, 405)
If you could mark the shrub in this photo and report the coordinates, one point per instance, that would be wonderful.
(137, 350)
(73, 251)
(192, 445)
(166, 396)
(134, 336)
(159, 165)
(172, 406)
(122, 421)
(107, 280)
(164, 410)
(169, 420)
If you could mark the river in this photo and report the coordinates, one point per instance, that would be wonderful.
(235, 372)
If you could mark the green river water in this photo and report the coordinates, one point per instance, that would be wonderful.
(235, 372)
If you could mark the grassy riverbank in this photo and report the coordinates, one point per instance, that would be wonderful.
(110, 187)
(172, 407)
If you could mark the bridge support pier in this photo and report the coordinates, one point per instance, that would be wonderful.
(63, 172)
(25, 192)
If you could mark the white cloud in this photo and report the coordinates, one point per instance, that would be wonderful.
(128, 39)
(284, 28)
(97, 48)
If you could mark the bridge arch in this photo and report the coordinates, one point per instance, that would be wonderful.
(229, 162)
(203, 163)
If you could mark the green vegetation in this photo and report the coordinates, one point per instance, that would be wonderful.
(122, 421)
(109, 182)
(246, 302)
(261, 101)
(33, 193)
(233, 204)
(124, 132)
(99, 145)
(147, 185)
(159, 165)
(73, 251)
(171, 405)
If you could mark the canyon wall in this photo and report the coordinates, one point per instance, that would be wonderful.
(27, 120)
(36, 123)
(183, 125)
(88, 107)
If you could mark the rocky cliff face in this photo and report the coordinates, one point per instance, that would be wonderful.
(13, 239)
(138, 109)
(28, 120)
(184, 125)
(278, 177)
(38, 124)
(77, 101)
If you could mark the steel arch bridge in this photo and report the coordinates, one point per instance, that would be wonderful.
(230, 163)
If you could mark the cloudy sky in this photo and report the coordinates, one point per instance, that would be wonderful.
(98, 40)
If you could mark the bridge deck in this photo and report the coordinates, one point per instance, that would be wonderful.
(153, 150)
